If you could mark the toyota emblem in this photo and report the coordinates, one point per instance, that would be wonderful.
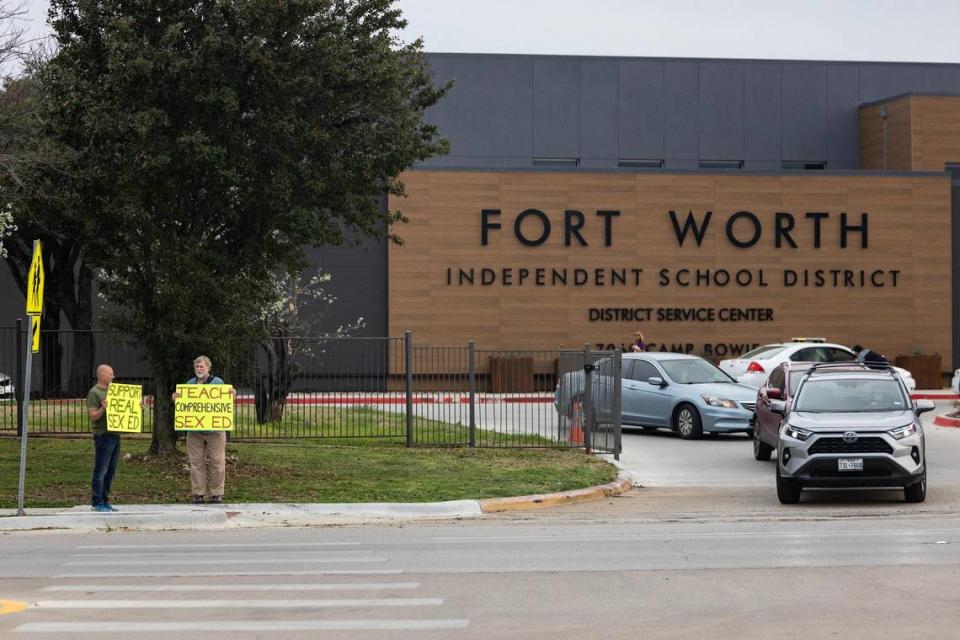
(850, 437)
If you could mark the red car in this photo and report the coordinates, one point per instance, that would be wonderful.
(776, 392)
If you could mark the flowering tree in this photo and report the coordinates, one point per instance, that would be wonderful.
(289, 336)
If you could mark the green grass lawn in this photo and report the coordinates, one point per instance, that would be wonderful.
(58, 473)
(354, 425)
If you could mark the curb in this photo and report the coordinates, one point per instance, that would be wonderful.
(946, 421)
(538, 501)
(174, 517)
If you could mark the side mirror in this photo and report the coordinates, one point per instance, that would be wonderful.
(657, 381)
(774, 394)
(925, 405)
(779, 407)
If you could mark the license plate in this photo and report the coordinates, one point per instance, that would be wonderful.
(849, 464)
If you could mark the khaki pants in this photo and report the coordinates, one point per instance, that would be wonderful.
(208, 466)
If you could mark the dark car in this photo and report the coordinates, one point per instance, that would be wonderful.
(774, 397)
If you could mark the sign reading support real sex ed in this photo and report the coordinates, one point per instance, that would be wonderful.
(203, 407)
(124, 411)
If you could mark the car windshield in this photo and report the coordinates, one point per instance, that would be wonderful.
(764, 352)
(693, 372)
(850, 395)
(795, 379)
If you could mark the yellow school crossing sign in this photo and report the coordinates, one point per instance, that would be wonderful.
(35, 334)
(35, 282)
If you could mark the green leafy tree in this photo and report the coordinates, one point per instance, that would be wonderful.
(218, 138)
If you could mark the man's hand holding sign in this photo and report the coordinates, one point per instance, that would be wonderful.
(203, 407)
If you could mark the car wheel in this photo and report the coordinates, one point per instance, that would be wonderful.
(788, 490)
(761, 450)
(917, 492)
(687, 422)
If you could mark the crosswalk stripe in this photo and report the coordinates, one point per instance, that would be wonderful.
(186, 627)
(237, 604)
(191, 561)
(219, 545)
(227, 555)
(326, 586)
(217, 574)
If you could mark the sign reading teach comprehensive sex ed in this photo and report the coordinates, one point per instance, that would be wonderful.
(203, 407)
(124, 408)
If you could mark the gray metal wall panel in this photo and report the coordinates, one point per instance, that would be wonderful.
(762, 111)
(804, 112)
(879, 81)
(843, 114)
(488, 112)
(598, 109)
(359, 282)
(556, 108)
(721, 110)
(640, 109)
(680, 104)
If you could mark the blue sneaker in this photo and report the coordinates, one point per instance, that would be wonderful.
(111, 507)
(101, 508)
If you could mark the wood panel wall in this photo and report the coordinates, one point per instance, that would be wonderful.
(936, 132)
(909, 231)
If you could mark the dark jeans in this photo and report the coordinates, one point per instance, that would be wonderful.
(106, 455)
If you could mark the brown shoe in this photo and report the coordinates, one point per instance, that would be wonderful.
(216, 499)
(197, 499)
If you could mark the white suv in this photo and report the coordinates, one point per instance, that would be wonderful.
(753, 368)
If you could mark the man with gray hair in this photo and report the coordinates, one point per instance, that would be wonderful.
(206, 450)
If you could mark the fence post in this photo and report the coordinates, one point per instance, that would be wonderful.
(617, 404)
(408, 350)
(18, 392)
(587, 397)
(473, 393)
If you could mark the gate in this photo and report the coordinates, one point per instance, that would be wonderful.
(589, 399)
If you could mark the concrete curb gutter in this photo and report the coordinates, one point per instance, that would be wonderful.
(946, 421)
(228, 516)
(618, 487)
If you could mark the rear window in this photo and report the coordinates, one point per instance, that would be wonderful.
(851, 396)
(763, 352)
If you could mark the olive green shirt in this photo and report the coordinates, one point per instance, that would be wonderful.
(95, 398)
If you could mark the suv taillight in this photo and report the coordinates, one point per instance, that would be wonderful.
(754, 367)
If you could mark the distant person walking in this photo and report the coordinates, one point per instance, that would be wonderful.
(106, 446)
(638, 344)
(206, 450)
(869, 356)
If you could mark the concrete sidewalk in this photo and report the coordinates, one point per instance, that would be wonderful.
(157, 517)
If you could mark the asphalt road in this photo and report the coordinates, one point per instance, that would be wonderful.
(555, 574)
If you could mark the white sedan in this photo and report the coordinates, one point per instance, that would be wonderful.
(754, 367)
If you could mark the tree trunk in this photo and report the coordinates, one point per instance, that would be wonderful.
(164, 440)
(51, 352)
(82, 363)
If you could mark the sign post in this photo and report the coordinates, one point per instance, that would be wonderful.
(35, 281)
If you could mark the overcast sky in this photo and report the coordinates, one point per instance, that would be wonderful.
(889, 30)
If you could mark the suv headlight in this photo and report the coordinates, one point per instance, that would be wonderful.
(714, 401)
(902, 432)
(797, 433)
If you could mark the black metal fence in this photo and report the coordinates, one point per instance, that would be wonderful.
(338, 388)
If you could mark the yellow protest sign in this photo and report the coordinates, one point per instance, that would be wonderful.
(35, 334)
(35, 282)
(124, 411)
(203, 407)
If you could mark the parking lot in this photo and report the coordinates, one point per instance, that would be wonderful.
(661, 459)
